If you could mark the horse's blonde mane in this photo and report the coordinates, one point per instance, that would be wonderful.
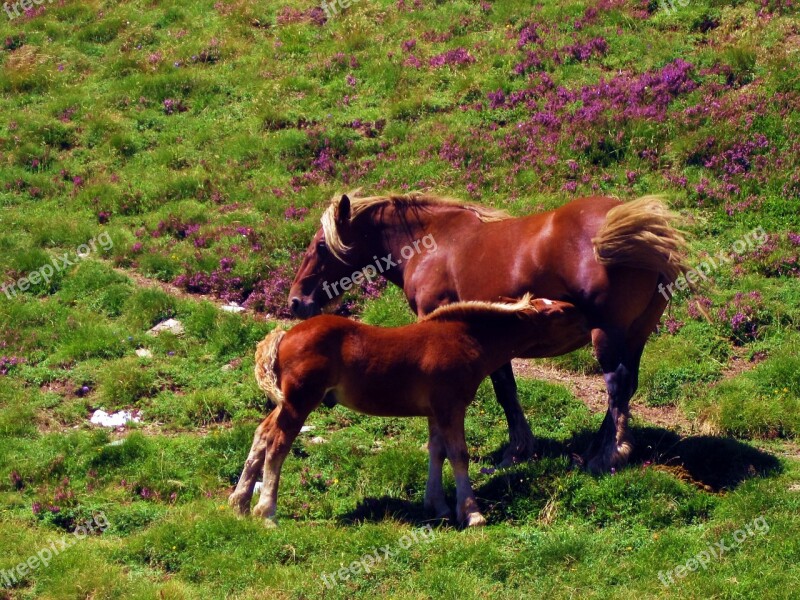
(360, 205)
(458, 310)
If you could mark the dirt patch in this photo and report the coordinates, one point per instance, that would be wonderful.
(591, 389)
(62, 387)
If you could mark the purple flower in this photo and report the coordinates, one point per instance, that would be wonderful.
(172, 106)
(456, 57)
(496, 99)
(293, 213)
(412, 61)
(409, 45)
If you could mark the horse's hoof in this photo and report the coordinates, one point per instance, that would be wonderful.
(475, 520)
(517, 454)
(607, 461)
(270, 522)
(513, 458)
(439, 513)
(265, 512)
(239, 506)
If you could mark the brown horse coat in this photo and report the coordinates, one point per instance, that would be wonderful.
(429, 369)
(606, 257)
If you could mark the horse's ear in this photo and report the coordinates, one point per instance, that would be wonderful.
(343, 211)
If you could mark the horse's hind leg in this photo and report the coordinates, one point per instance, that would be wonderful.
(434, 492)
(240, 498)
(286, 427)
(612, 445)
(522, 444)
(452, 428)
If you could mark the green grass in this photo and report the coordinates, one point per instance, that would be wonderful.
(189, 133)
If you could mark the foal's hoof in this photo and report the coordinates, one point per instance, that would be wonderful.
(239, 505)
(270, 522)
(475, 520)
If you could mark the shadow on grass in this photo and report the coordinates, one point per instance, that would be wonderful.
(713, 464)
(386, 508)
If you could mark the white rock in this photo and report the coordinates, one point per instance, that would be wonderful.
(257, 487)
(317, 440)
(172, 325)
(117, 419)
(306, 428)
(232, 307)
(144, 353)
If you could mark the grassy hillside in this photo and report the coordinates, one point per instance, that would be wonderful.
(166, 157)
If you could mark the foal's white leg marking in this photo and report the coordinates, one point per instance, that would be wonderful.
(467, 510)
(240, 498)
(268, 500)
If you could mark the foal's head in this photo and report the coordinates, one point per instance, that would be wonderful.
(546, 326)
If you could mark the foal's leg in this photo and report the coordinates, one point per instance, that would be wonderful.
(434, 492)
(522, 444)
(240, 498)
(467, 511)
(287, 426)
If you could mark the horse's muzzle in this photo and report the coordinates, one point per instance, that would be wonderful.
(303, 309)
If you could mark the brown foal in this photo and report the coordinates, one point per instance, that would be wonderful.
(431, 369)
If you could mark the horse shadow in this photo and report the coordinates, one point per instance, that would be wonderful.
(712, 464)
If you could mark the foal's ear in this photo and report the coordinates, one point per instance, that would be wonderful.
(343, 211)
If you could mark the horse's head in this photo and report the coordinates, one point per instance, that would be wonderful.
(326, 261)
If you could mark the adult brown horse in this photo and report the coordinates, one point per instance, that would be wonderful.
(606, 257)
(431, 369)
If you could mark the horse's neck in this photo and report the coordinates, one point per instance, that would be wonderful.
(398, 231)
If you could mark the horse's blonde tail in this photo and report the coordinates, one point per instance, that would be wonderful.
(267, 375)
(640, 234)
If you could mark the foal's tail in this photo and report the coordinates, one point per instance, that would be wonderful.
(267, 375)
(640, 234)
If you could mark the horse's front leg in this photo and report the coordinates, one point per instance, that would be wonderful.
(435, 501)
(522, 444)
(452, 428)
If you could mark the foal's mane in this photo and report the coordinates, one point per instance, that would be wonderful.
(413, 200)
(477, 309)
